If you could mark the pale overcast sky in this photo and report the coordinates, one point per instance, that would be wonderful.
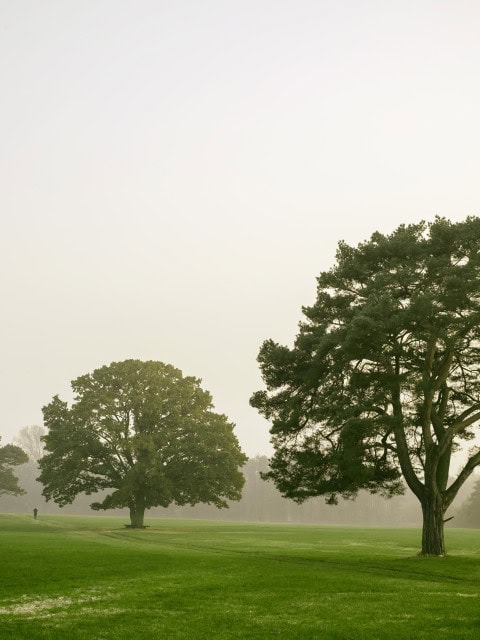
(176, 173)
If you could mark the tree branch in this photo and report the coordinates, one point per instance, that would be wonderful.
(401, 441)
(458, 426)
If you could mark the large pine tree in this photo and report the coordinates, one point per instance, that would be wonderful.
(383, 379)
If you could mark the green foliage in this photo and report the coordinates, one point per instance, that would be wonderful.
(144, 431)
(10, 456)
(383, 378)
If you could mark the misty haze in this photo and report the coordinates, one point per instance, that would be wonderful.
(240, 276)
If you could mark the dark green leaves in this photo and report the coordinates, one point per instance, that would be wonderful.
(144, 431)
(385, 364)
(10, 456)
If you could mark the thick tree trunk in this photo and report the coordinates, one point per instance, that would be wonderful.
(136, 517)
(433, 541)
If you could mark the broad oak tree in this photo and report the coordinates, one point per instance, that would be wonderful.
(383, 379)
(145, 432)
(10, 456)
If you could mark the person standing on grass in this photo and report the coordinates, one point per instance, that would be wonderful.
(35, 513)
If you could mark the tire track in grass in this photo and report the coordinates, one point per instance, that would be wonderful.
(367, 568)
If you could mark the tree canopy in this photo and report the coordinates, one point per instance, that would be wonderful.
(383, 378)
(146, 432)
(10, 456)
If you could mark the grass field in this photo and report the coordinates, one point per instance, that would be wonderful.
(77, 578)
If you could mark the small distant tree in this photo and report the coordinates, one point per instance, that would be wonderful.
(469, 513)
(383, 380)
(144, 431)
(10, 456)
(30, 440)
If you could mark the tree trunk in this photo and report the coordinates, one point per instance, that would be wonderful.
(433, 541)
(136, 517)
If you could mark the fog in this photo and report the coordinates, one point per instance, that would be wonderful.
(176, 174)
(260, 502)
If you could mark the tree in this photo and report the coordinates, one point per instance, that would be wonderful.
(469, 513)
(383, 378)
(30, 440)
(10, 456)
(144, 431)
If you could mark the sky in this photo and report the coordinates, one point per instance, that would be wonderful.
(174, 174)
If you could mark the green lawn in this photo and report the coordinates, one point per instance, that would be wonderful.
(76, 577)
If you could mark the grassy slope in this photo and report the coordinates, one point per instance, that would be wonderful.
(74, 577)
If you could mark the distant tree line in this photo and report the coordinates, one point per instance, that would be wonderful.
(468, 515)
(260, 502)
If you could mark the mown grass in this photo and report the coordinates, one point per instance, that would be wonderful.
(78, 578)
